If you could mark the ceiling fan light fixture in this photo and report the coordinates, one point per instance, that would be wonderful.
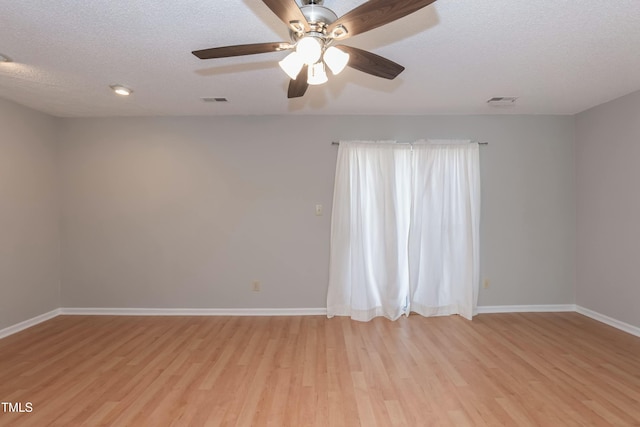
(317, 74)
(336, 59)
(292, 64)
(310, 49)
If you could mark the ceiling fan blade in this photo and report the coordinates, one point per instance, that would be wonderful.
(299, 86)
(371, 63)
(241, 49)
(289, 13)
(375, 13)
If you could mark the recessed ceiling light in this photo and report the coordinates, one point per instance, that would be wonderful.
(121, 90)
(4, 58)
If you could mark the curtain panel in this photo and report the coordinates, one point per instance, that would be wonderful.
(405, 229)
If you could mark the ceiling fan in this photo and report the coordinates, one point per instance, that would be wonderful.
(315, 30)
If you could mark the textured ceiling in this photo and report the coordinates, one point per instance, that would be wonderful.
(556, 56)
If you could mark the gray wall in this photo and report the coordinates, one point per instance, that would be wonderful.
(29, 214)
(608, 209)
(187, 212)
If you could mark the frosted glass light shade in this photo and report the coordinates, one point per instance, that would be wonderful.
(317, 75)
(292, 64)
(336, 59)
(310, 49)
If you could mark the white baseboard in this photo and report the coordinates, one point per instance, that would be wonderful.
(545, 308)
(195, 311)
(28, 323)
(281, 311)
(633, 330)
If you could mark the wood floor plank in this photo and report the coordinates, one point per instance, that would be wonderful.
(548, 369)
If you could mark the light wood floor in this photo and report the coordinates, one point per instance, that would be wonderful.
(549, 369)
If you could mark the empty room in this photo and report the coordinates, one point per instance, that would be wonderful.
(319, 213)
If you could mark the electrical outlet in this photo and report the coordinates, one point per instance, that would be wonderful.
(255, 286)
(486, 284)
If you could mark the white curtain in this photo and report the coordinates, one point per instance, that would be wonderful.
(405, 230)
(369, 272)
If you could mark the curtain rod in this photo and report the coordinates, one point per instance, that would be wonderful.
(479, 143)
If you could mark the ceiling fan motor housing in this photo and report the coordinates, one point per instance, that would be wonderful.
(315, 13)
(318, 17)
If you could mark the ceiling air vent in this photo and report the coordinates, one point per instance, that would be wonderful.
(215, 99)
(502, 101)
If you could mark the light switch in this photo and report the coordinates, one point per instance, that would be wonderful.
(318, 210)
